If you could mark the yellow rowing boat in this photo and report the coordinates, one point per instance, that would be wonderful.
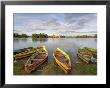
(63, 60)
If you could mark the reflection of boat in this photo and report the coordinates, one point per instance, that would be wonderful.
(38, 58)
(86, 56)
(24, 53)
(63, 60)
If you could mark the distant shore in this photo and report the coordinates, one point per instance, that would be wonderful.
(43, 35)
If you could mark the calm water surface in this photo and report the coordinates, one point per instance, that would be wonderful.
(69, 45)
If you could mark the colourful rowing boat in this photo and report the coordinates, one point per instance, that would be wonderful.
(25, 53)
(92, 51)
(86, 56)
(21, 50)
(63, 60)
(38, 58)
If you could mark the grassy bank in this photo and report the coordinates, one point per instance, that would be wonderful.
(78, 68)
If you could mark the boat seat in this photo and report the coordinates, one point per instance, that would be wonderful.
(37, 60)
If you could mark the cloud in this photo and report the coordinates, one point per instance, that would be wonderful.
(55, 23)
(80, 21)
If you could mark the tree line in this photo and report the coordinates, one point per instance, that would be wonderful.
(43, 35)
(86, 36)
(16, 35)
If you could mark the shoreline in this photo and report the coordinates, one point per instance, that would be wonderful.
(78, 68)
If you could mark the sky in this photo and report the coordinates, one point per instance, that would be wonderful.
(55, 23)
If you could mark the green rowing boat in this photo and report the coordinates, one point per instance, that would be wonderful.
(86, 55)
(25, 53)
(92, 51)
(38, 58)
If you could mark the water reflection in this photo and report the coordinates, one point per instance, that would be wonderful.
(16, 39)
(20, 39)
(24, 39)
(95, 39)
(41, 40)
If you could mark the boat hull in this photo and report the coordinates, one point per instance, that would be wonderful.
(32, 66)
(63, 67)
(82, 58)
(24, 54)
(86, 55)
(92, 51)
(66, 68)
(29, 69)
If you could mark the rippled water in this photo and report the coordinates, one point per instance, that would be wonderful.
(69, 45)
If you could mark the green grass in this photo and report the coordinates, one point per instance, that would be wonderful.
(18, 68)
(82, 68)
(52, 68)
(85, 69)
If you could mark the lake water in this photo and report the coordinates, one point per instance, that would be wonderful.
(69, 45)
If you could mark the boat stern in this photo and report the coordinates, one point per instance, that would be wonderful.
(26, 69)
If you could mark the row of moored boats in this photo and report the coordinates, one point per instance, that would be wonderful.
(37, 56)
